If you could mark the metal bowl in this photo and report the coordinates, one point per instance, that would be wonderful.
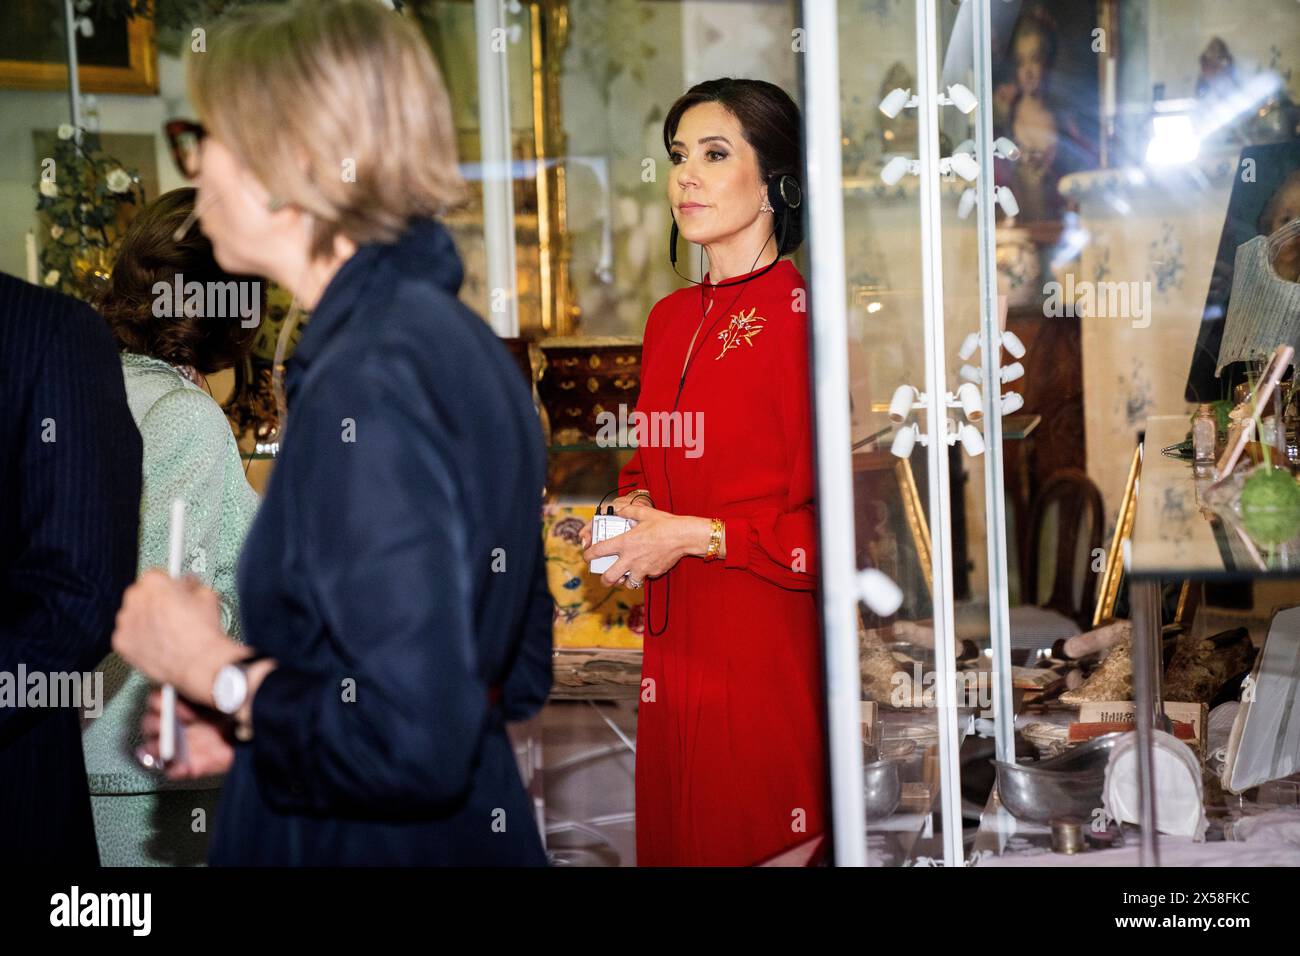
(1065, 789)
(882, 788)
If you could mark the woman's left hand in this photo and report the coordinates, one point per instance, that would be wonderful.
(171, 631)
(650, 549)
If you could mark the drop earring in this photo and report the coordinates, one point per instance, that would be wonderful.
(767, 205)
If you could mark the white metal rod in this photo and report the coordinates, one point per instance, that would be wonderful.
(74, 66)
(945, 651)
(834, 436)
(1146, 646)
(492, 32)
(994, 497)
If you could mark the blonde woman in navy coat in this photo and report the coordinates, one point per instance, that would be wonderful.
(391, 587)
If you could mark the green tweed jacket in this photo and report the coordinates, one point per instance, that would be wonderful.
(189, 452)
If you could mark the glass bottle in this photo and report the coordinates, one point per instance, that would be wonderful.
(1204, 434)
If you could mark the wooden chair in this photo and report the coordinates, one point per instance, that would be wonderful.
(1065, 527)
(1066, 523)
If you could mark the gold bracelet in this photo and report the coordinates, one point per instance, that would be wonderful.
(715, 539)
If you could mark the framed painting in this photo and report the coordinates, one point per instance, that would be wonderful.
(119, 56)
(1047, 99)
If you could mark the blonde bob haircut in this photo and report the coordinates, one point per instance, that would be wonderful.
(337, 107)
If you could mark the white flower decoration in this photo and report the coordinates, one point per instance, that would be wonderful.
(56, 231)
(119, 180)
(66, 131)
(52, 277)
(49, 188)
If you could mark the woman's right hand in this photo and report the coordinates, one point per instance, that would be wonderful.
(208, 751)
(619, 503)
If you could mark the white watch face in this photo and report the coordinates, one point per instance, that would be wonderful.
(230, 688)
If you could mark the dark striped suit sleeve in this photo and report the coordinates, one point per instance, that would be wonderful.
(73, 484)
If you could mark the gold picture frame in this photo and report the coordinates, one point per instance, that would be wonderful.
(1108, 589)
(547, 302)
(138, 76)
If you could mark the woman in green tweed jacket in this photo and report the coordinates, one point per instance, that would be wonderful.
(190, 453)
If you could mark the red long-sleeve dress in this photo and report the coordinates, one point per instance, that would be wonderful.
(729, 766)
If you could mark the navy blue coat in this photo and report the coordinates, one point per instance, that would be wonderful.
(69, 514)
(395, 572)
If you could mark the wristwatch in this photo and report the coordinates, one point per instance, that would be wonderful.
(230, 691)
(230, 688)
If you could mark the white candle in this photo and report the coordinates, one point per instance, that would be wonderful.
(31, 258)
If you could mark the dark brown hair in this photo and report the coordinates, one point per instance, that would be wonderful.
(1036, 21)
(148, 255)
(771, 124)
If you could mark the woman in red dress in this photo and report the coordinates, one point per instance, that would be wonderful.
(730, 763)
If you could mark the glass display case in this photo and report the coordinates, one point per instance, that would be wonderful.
(1015, 212)
(1022, 262)
(1156, 117)
(895, 253)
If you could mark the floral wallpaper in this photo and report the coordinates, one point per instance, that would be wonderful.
(627, 61)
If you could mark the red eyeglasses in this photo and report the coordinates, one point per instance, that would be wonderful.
(185, 137)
